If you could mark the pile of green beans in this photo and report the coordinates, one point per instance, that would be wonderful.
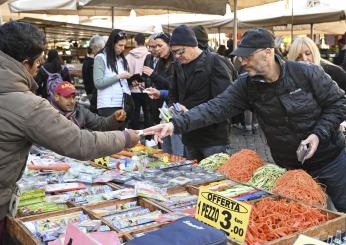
(265, 177)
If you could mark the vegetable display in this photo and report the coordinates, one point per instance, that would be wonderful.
(299, 185)
(241, 165)
(274, 218)
(213, 162)
(265, 177)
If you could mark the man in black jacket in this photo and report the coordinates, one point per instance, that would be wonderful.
(198, 77)
(295, 103)
(96, 44)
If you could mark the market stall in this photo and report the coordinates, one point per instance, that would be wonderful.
(142, 191)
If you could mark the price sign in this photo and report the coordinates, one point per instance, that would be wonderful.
(223, 213)
(103, 161)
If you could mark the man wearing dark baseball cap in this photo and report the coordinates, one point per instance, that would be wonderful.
(253, 40)
(298, 106)
(65, 102)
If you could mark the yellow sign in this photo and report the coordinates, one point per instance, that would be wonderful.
(223, 213)
(103, 161)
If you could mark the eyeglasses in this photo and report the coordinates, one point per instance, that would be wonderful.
(152, 46)
(246, 58)
(162, 35)
(179, 51)
(121, 34)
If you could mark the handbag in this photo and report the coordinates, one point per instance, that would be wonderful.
(127, 102)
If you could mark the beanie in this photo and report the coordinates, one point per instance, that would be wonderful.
(183, 36)
(201, 34)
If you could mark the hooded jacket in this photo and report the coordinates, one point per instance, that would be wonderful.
(135, 60)
(26, 119)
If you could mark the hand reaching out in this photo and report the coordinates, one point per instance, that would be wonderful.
(160, 131)
(120, 115)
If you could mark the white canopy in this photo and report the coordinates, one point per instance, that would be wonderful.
(195, 6)
(30, 5)
(303, 12)
(280, 13)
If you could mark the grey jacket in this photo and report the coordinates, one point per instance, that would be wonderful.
(86, 119)
(26, 119)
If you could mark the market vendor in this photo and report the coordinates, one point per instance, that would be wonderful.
(65, 102)
(295, 103)
(26, 118)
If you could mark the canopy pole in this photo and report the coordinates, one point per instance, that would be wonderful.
(235, 24)
(219, 30)
(312, 31)
(292, 22)
(112, 17)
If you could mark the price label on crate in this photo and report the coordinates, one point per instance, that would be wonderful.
(223, 213)
(103, 161)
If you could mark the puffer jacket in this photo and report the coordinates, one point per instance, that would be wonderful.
(26, 119)
(304, 100)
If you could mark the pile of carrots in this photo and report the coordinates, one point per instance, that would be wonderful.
(299, 185)
(241, 165)
(271, 219)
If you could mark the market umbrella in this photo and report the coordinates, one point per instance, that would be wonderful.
(195, 6)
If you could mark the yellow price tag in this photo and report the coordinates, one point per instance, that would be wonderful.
(103, 161)
(223, 213)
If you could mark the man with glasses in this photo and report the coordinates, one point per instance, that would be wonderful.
(297, 105)
(199, 76)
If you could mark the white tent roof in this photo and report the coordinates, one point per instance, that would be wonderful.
(304, 12)
(280, 13)
(30, 5)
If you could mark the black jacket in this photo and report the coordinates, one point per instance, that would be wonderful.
(336, 73)
(41, 78)
(210, 77)
(304, 100)
(87, 73)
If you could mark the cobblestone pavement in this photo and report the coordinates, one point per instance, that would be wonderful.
(256, 141)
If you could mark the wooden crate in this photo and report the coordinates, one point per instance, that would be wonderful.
(192, 190)
(17, 229)
(336, 221)
(140, 201)
(113, 186)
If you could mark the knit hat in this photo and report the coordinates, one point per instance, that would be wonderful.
(183, 36)
(201, 34)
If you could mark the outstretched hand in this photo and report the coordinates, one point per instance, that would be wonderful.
(120, 115)
(160, 131)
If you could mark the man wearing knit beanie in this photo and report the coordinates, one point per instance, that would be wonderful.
(198, 77)
(202, 37)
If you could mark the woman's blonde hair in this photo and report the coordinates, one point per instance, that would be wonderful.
(297, 45)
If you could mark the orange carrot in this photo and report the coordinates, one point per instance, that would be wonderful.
(274, 218)
(299, 185)
(241, 165)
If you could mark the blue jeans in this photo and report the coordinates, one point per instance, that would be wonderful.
(333, 176)
(200, 153)
(173, 145)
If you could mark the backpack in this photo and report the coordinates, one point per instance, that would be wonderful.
(184, 231)
(52, 81)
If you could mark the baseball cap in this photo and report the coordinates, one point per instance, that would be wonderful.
(252, 40)
(65, 89)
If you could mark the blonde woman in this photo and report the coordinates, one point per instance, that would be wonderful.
(304, 49)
